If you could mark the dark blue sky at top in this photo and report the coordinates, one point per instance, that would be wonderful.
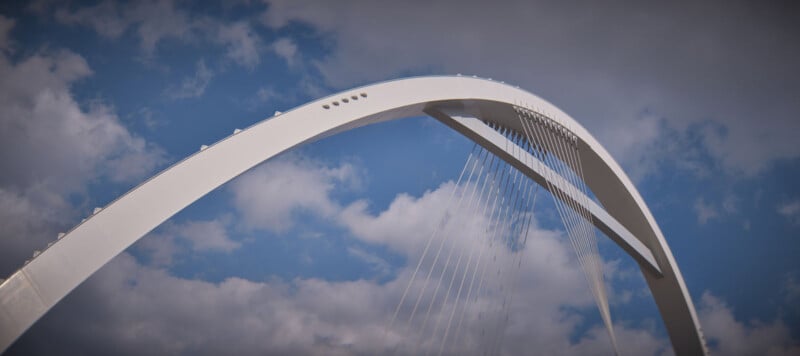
(745, 255)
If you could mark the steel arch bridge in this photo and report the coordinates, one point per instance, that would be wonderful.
(466, 104)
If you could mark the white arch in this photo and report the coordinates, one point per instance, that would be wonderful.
(459, 102)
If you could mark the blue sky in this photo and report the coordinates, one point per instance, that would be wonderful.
(307, 252)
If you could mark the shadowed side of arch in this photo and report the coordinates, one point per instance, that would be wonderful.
(31, 291)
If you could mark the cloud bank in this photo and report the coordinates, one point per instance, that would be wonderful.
(133, 308)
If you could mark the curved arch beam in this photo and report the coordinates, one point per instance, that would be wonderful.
(31, 291)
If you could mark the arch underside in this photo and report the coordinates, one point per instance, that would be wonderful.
(462, 103)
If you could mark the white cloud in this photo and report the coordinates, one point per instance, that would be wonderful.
(632, 341)
(200, 236)
(405, 225)
(265, 94)
(707, 211)
(550, 274)
(148, 311)
(193, 86)
(155, 21)
(159, 20)
(409, 222)
(242, 42)
(208, 236)
(286, 49)
(146, 116)
(143, 310)
(30, 219)
(105, 17)
(269, 195)
(733, 337)
(139, 309)
(791, 211)
(262, 96)
(51, 146)
(704, 211)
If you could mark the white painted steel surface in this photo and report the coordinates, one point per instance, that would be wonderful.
(39, 285)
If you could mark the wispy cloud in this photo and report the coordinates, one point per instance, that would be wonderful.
(193, 86)
(705, 212)
(378, 264)
(791, 211)
(243, 44)
(154, 21)
(263, 96)
(286, 49)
